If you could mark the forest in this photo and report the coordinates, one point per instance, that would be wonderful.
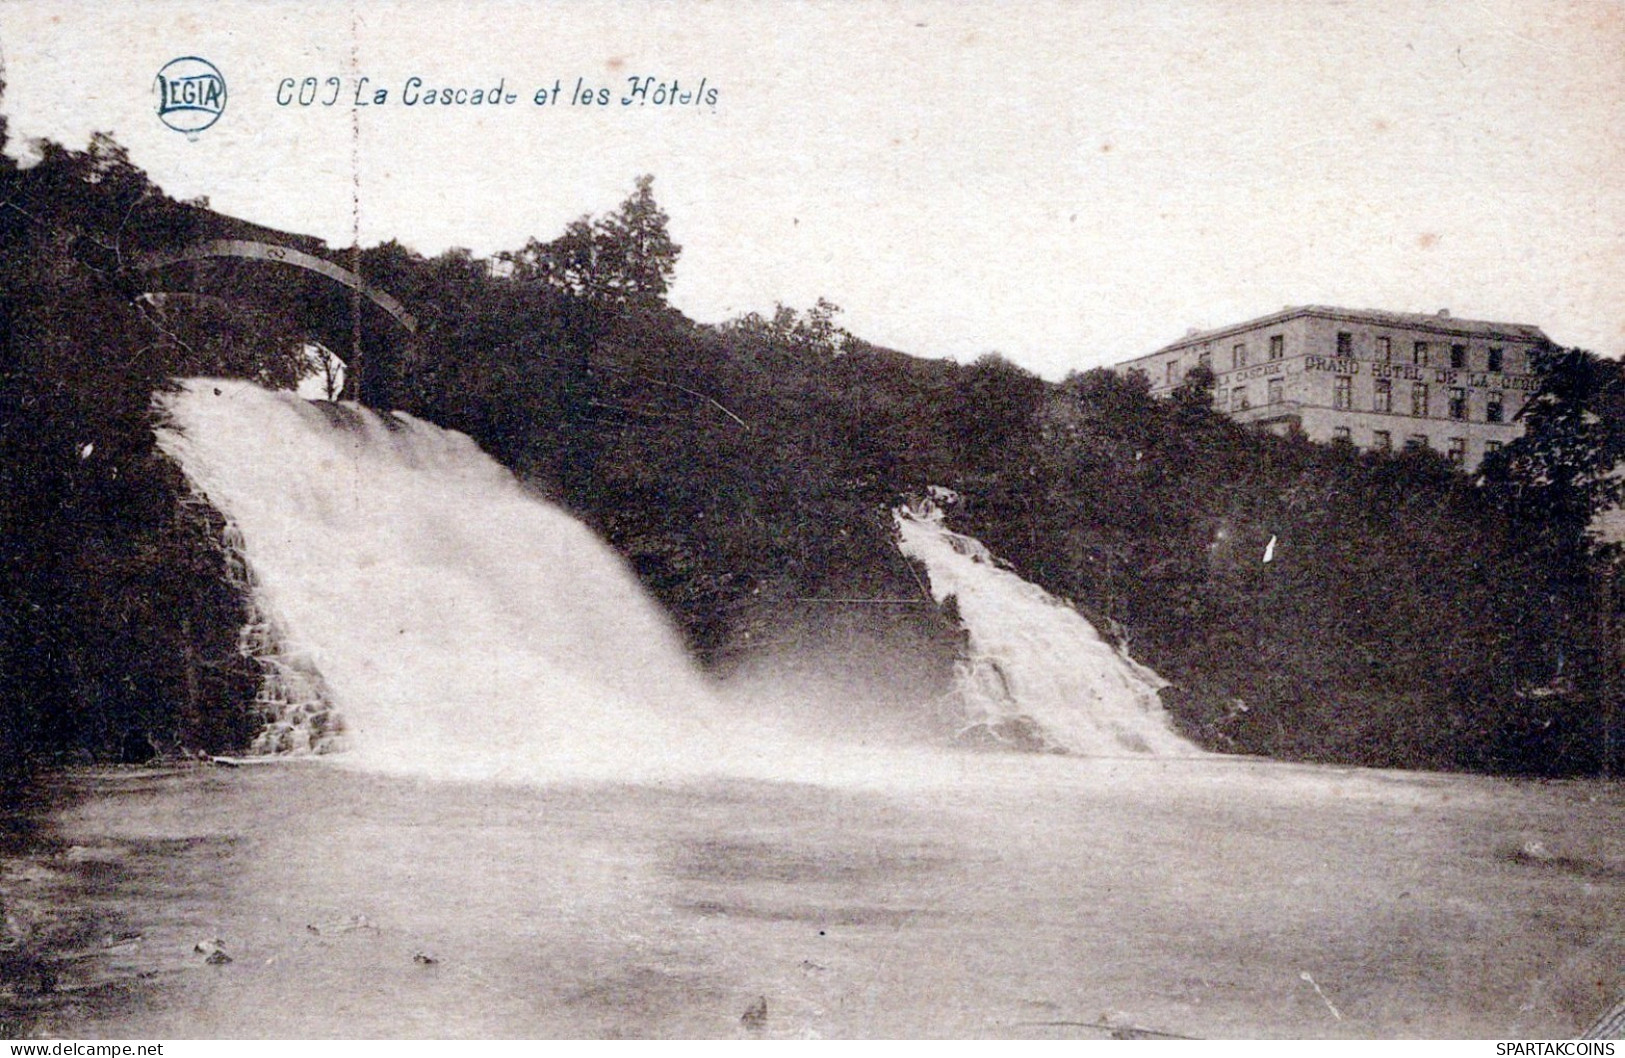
(1410, 616)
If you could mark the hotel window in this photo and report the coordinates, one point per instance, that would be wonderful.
(1385, 349)
(1495, 358)
(1345, 343)
(1340, 434)
(1343, 392)
(1458, 402)
(1382, 395)
(1275, 391)
(1238, 355)
(1416, 442)
(1419, 398)
(1277, 346)
(1491, 447)
(1458, 450)
(1238, 399)
(1382, 440)
(1205, 358)
(1458, 356)
(1493, 408)
(1419, 354)
(1168, 372)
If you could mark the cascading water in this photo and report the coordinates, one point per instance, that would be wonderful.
(414, 605)
(292, 697)
(1038, 673)
(459, 626)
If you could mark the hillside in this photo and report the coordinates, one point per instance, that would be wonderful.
(1407, 615)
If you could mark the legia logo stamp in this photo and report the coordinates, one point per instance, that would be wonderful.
(191, 94)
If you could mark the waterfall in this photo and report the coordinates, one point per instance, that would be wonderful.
(413, 604)
(292, 698)
(1037, 674)
(408, 591)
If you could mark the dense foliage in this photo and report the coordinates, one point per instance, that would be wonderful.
(118, 629)
(1308, 601)
(1405, 614)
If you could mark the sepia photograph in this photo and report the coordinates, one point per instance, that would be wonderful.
(812, 519)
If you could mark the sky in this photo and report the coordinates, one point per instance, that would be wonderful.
(1067, 184)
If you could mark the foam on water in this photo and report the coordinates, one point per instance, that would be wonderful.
(1037, 671)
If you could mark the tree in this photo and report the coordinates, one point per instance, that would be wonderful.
(1561, 480)
(120, 620)
(812, 330)
(1195, 393)
(326, 367)
(623, 260)
(1562, 473)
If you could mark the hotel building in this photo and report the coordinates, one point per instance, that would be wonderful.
(1378, 380)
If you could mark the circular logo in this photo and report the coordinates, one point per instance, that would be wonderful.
(191, 94)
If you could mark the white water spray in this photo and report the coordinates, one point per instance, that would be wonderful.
(462, 628)
(1038, 673)
(414, 605)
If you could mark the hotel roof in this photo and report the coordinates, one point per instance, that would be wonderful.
(1441, 322)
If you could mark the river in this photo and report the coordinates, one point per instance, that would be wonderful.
(983, 894)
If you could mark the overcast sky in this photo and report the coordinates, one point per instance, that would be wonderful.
(1069, 184)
